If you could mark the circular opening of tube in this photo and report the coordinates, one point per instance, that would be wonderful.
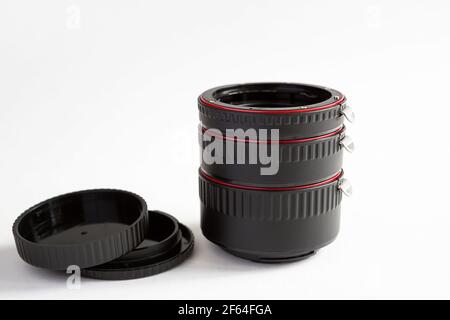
(271, 95)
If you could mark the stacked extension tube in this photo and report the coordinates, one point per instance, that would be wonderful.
(292, 211)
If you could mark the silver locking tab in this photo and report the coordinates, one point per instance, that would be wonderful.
(347, 143)
(345, 186)
(348, 113)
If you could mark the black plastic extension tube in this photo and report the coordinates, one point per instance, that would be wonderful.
(270, 224)
(297, 110)
(301, 161)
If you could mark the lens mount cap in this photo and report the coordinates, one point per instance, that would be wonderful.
(84, 228)
(167, 245)
(107, 233)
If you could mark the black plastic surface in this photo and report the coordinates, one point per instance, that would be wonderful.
(84, 228)
(167, 245)
(270, 226)
(299, 163)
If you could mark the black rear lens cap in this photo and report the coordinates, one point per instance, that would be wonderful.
(84, 228)
(167, 245)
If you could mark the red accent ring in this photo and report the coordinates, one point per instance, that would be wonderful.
(327, 135)
(217, 106)
(238, 186)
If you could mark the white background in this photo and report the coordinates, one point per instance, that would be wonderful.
(103, 94)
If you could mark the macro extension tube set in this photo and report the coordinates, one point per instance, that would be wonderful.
(290, 213)
(273, 212)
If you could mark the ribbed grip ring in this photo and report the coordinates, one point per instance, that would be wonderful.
(301, 161)
(264, 205)
(239, 119)
(313, 150)
(321, 116)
